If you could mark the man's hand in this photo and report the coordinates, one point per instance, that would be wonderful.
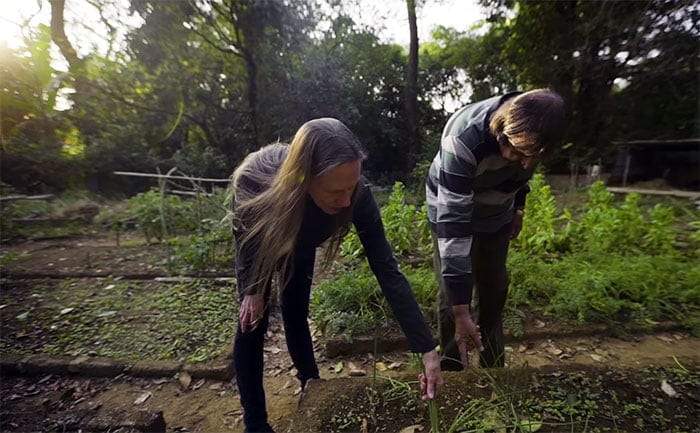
(517, 224)
(252, 309)
(467, 334)
(431, 380)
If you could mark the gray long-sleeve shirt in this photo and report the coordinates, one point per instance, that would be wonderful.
(470, 188)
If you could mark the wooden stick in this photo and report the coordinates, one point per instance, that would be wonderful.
(26, 197)
(673, 192)
(192, 193)
(165, 176)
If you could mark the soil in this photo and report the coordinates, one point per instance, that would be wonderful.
(218, 410)
(99, 255)
(555, 399)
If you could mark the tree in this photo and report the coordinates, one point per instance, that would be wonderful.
(412, 89)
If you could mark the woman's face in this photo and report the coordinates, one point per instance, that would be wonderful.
(332, 191)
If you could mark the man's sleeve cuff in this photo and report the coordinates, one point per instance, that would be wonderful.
(459, 289)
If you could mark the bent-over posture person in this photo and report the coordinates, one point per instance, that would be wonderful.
(289, 199)
(476, 189)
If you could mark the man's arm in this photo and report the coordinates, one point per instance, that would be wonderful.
(455, 204)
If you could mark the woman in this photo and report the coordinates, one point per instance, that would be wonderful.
(289, 199)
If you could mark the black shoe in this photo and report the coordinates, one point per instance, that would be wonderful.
(265, 428)
(451, 365)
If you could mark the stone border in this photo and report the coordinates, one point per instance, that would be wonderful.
(389, 343)
(88, 366)
(14, 275)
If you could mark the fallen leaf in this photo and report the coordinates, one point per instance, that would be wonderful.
(355, 371)
(668, 389)
(274, 350)
(142, 398)
(107, 314)
(23, 316)
(522, 348)
(297, 391)
(338, 367)
(539, 324)
(185, 379)
(394, 365)
(554, 350)
(198, 384)
(66, 310)
(412, 429)
(216, 386)
(110, 287)
(381, 366)
(530, 426)
(597, 358)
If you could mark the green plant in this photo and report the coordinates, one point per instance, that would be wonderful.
(352, 302)
(211, 247)
(539, 233)
(406, 227)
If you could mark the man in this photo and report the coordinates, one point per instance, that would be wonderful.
(476, 189)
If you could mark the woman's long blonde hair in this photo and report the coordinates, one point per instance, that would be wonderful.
(269, 199)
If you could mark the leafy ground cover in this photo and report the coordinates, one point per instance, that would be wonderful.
(129, 320)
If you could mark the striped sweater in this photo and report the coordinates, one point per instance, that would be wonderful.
(470, 189)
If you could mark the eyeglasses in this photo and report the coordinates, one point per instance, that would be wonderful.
(505, 141)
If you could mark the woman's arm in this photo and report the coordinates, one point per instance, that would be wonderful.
(393, 283)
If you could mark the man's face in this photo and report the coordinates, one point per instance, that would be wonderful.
(332, 191)
(511, 153)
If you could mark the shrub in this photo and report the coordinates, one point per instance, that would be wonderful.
(406, 226)
(352, 303)
(607, 287)
(212, 247)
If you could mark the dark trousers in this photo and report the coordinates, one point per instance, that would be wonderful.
(488, 255)
(248, 347)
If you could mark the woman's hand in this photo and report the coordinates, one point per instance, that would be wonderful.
(431, 380)
(251, 313)
(467, 333)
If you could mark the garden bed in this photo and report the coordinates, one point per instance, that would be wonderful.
(552, 399)
(129, 320)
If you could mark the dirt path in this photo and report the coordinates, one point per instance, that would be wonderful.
(214, 406)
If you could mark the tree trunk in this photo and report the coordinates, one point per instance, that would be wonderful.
(412, 90)
(252, 70)
(76, 65)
